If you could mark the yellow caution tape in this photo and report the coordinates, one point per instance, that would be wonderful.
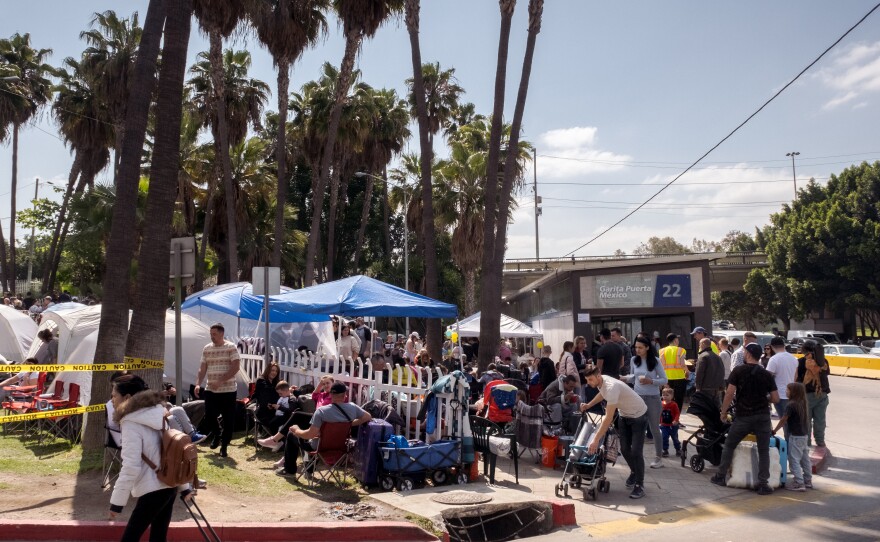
(51, 413)
(130, 364)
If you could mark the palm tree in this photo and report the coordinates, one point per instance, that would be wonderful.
(387, 135)
(113, 328)
(432, 326)
(490, 323)
(12, 102)
(84, 124)
(245, 99)
(286, 28)
(442, 92)
(219, 18)
(493, 262)
(110, 58)
(360, 19)
(37, 89)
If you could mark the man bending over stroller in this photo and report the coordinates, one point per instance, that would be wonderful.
(631, 424)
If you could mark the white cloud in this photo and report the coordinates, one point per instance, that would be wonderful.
(852, 74)
(572, 152)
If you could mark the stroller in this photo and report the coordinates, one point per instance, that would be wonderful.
(709, 438)
(586, 471)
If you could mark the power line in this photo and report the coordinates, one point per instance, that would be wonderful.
(646, 166)
(729, 135)
(652, 212)
(676, 204)
(715, 183)
(626, 162)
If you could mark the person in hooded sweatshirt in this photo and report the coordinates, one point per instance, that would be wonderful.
(140, 413)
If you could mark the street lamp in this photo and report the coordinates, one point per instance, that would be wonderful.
(33, 232)
(362, 174)
(793, 175)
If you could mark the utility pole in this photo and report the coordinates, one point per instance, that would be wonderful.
(793, 174)
(29, 287)
(537, 200)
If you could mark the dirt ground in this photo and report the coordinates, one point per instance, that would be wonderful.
(241, 488)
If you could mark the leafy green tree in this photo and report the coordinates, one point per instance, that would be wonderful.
(660, 245)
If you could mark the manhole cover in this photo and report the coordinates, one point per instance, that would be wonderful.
(461, 497)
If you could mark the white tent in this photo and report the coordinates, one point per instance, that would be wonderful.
(17, 332)
(78, 336)
(511, 328)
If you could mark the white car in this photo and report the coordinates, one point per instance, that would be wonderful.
(849, 350)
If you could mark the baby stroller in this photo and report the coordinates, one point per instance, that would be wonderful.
(586, 471)
(709, 438)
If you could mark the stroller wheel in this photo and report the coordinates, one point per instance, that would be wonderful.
(592, 494)
(575, 481)
(605, 487)
(565, 489)
(462, 478)
(558, 490)
(439, 477)
(405, 484)
(386, 483)
(697, 464)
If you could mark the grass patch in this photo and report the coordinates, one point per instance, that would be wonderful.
(47, 458)
(425, 524)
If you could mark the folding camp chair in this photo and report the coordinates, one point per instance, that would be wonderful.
(483, 430)
(332, 454)
(65, 427)
(112, 459)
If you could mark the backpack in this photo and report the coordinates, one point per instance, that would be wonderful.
(666, 416)
(179, 457)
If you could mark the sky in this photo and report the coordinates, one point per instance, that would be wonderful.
(623, 97)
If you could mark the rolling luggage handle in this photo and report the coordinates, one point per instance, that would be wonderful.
(190, 504)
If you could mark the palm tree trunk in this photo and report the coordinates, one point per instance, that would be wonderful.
(3, 261)
(386, 212)
(281, 158)
(352, 44)
(146, 338)
(470, 290)
(62, 216)
(536, 9)
(14, 188)
(331, 221)
(117, 149)
(203, 244)
(113, 329)
(490, 320)
(432, 289)
(365, 216)
(216, 57)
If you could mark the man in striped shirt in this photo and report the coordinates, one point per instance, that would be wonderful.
(220, 363)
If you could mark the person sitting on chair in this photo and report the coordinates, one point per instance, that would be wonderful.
(307, 439)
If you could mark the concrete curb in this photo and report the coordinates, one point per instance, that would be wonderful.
(100, 531)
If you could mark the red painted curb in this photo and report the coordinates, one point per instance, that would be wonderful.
(563, 513)
(100, 531)
(820, 457)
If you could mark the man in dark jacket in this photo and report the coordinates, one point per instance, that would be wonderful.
(558, 398)
(710, 370)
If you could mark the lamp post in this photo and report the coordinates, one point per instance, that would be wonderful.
(361, 174)
(793, 174)
(33, 232)
(537, 199)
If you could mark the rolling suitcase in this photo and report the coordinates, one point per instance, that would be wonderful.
(193, 508)
(365, 458)
(782, 446)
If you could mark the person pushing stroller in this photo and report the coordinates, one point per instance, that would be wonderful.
(631, 424)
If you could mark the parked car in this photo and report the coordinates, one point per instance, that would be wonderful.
(763, 338)
(875, 351)
(828, 336)
(794, 346)
(849, 350)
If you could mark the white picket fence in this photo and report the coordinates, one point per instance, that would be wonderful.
(364, 384)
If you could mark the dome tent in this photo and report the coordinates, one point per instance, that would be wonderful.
(17, 333)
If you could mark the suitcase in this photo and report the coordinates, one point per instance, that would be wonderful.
(365, 458)
(782, 446)
(193, 508)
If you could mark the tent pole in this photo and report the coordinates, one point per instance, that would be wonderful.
(460, 351)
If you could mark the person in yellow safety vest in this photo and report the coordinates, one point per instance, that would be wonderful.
(699, 333)
(673, 359)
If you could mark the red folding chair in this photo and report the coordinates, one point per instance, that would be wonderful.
(331, 458)
(66, 427)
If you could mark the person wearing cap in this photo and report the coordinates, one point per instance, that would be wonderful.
(699, 333)
(339, 410)
(673, 359)
(754, 388)
(783, 366)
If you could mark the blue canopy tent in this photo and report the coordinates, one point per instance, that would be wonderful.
(237, 308)
(365, 296)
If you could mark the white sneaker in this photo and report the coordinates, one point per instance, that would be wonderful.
(278, 464)
(269, 442)
(657, 463)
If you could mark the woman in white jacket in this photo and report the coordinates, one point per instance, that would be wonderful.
(140, 413)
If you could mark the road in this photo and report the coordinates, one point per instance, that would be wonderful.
(844, 505)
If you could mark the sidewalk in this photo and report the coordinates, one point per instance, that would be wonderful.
(668, 489)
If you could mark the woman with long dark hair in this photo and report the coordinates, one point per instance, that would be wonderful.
(813, 374)
(647, 376)
(267, 398)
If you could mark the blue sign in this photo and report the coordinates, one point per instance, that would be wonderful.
(673, 291)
